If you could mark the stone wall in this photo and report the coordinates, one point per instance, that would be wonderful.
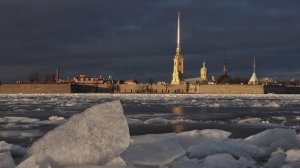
(131, 88)
(91, 88)
(148, 88)
(35, 88)
(226, 89)
(274, 89)
(293, 89)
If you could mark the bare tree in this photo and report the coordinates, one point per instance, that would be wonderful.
(50, 78)
(33, 77)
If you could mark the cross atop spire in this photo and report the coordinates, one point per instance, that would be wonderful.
(178, 49)
(254, 65)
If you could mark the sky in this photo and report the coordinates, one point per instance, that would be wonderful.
(137, 38)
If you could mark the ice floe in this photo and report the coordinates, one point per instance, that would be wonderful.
(133, 121)
(157, 121)
(101, 139)
(194, 137)
(293, 155)
(273, 139)
(153, 150)
(18, 120)
(26, 121)
(277, 159)
(6, 160)
(20, 133)
(96, 136)
(236, 148)
(225, 160)
(12, 148)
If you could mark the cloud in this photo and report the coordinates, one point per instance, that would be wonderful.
(137, 39)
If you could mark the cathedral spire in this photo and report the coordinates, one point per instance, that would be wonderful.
(178, 66)
(178, 49)
(253, 80)
(254, 65)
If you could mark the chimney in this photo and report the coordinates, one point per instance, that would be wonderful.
(57, 75)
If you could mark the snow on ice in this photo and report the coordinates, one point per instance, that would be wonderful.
(190, 138)
(153, 150)
(273, 139)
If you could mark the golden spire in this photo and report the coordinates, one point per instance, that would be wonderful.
(225, 69)
(254, 65)
(178, 49)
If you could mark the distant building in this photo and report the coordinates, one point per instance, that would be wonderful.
(130, 82)
(57, 75)
(203, 71)
(253, 80)
(178, 66)
(84, 79)
(212, 81)
(267, 80)
(224, 78)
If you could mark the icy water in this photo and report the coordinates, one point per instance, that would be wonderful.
(24, 118)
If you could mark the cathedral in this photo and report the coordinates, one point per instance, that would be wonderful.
(178, 69)
(178, 66)
(253, 80)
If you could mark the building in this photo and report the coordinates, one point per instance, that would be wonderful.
(130, 82)
(253, 80)
(203, 71)
(84, 79)
(57, 75)
(178, 66)
(224, 79)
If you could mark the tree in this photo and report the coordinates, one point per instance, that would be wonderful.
(50, 78)
(33, 77)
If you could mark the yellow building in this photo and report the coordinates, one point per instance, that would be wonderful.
(203, 71)
(178, 66)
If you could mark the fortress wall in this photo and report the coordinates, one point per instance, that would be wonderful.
(197, 89)
(167, 88)
(276, 89)
(90, 88)
(130, 88)
(34, 88)
(177, 89)
(227, 89)
(293, 90)
(83, 88)
(155, 88)
(148, 88)
(106, 88)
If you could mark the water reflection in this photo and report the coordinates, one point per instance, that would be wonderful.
(178, 115)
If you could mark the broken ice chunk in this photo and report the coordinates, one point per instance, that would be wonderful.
(153, 150)
(94, 137)
(6, 160)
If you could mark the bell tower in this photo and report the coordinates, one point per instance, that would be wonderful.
(178, 66)
(203, 71)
